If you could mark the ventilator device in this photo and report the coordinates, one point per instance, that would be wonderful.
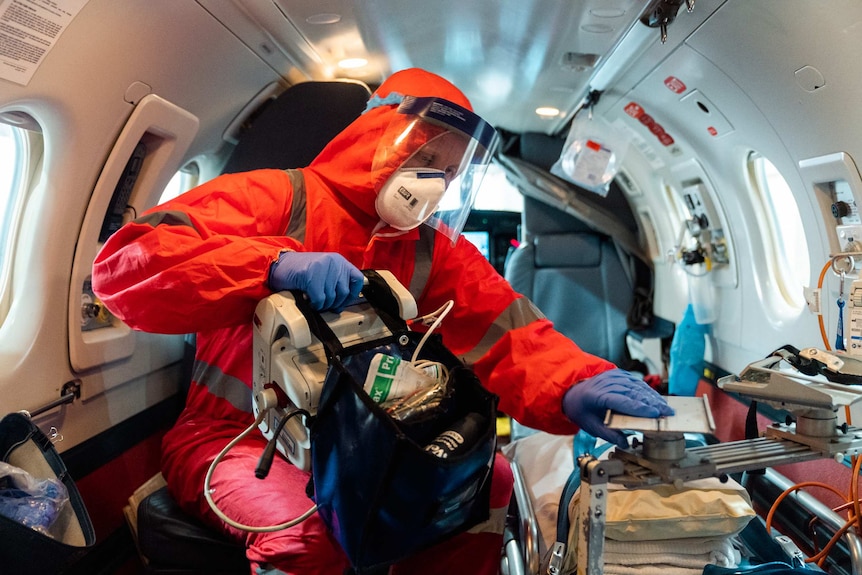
(291, 361)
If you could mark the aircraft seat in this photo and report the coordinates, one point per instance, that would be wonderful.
(175, 543)
(560, 254)
(288, 133)
(296, 126)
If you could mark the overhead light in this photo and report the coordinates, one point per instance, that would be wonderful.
(547, 112)
(352, 63)
(324, 18)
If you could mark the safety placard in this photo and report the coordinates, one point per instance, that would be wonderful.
(28, 31)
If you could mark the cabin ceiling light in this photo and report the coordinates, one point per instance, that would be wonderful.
(352, 63)
(324, 18)
(597, 28)
(547, 112)
(607, 12)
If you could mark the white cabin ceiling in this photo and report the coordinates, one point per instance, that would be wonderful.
(528, 53)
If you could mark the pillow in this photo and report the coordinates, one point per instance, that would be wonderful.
(700, 508)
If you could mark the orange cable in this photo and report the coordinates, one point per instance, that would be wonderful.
(820, 557)
(820, 315)
(796, 487)
(854, 488)
(851, 502)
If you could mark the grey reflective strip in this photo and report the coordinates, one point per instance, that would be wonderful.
(520, 312)
(423, 260)
(171, 218)
(234, 390)
(296, 227)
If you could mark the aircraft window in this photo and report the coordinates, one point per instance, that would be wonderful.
(13, 157)
(787, 258)
(185, 179)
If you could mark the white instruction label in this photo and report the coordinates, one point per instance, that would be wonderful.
(28, 31)
(812, 298)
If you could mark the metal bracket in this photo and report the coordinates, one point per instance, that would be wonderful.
(70, 391)
(592, 511)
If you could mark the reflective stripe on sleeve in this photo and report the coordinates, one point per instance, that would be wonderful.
(219, 384)
(170, 218)
(517, 314)
(296, 227)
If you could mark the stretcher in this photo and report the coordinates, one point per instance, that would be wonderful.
(670, 456)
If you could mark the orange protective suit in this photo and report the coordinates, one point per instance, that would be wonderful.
(199, 263)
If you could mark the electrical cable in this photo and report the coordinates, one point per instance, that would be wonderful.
(268, 401)
(265, 461)
(820, 315)
(437, 316)
(851, 501)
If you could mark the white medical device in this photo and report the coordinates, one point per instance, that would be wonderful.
(289, 359)
(854, 340)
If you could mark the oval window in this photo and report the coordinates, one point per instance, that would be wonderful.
(14, 169)
(782, 231)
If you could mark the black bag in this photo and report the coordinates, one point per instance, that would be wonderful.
(382, 495)
(23, 549)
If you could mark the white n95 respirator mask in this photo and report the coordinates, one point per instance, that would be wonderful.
(410, 196)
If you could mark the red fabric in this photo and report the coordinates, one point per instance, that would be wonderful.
(204, 268)
(307, 548)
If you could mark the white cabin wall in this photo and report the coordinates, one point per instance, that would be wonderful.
(743, 59)
(79, 97)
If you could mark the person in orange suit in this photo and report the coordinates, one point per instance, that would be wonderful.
(200, 264)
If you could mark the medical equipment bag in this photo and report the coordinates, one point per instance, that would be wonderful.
(51, 528)
(379, 491)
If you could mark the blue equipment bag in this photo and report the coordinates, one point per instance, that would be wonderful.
(382, 495)
(42, 530)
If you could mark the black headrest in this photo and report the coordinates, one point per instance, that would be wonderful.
(292, 130)
(541, 149)
(541, 218)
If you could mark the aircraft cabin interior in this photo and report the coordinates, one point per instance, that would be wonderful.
(673, 184)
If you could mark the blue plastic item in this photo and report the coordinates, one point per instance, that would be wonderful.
(686, 355)
(35, 503)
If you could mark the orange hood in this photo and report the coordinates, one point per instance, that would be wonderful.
(345, 164)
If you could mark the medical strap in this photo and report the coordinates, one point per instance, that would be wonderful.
(378, 294)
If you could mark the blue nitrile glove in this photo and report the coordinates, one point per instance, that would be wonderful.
(328, 279)
(618, 390)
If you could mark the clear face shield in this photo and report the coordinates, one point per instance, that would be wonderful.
(440, 152)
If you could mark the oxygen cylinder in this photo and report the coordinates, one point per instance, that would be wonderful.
(459, 438)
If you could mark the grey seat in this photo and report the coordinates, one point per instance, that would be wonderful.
(576, 277)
